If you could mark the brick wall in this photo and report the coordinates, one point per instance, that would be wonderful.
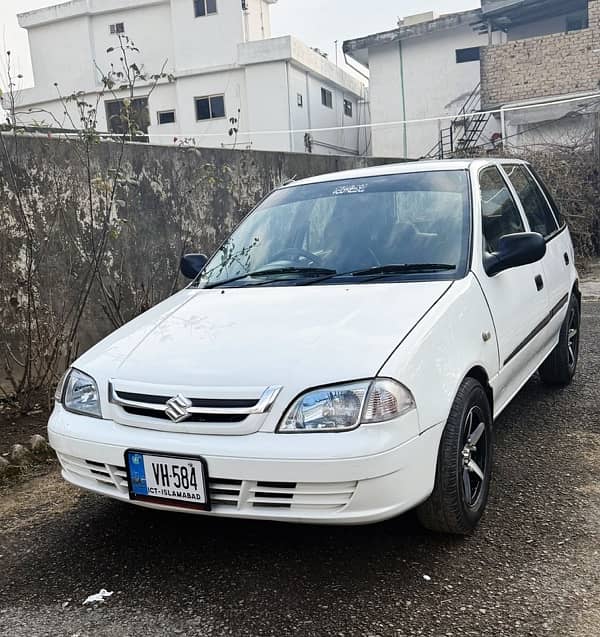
(543, 66)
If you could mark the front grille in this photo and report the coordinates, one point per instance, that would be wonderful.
(294, 496)
(301, 496)
(206, 403)
(225, 492)
(161, 415)
(229, 494)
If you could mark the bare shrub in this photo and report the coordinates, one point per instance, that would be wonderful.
(573, 176)
(41, 323)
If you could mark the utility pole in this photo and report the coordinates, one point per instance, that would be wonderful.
(597, 137)
(336, 52)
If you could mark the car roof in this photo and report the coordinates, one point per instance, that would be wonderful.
(403, 168)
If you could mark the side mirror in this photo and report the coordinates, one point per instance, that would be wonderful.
(515, 250)
(192, 264)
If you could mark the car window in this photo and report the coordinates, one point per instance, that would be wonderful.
(500, 214)
(555, 209)
(536, 207)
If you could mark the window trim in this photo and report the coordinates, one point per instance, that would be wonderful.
(206, 14)
(169, 110)
(209, 97)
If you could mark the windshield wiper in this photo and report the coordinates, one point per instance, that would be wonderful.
(316, 272)
(403, 268)
(383, 270)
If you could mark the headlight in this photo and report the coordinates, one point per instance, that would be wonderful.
(345, 407)
(80, 394)
(387, 399)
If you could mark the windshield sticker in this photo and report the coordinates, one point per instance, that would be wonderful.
(350, 189)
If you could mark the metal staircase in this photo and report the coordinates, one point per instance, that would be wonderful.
(465, 129)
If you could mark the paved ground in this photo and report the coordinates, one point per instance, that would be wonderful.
(531, 568)
(591, 281)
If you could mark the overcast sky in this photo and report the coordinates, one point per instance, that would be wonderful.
(317, 22)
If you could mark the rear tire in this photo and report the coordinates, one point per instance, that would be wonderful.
(464, 465)
(560, 367)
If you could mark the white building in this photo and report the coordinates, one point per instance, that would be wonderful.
(225, 65)
(518, 58)
(426, 68)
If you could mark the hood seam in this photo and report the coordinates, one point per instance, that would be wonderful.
(414, 327)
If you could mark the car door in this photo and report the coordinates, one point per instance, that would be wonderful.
(541, 218)
(516, 298)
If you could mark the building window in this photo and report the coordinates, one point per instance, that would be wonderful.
(299, 100)
(577, 22)
(166, 117)
(117, 116)
(210, 107)
(472, 54)
(118, 28)
(326, 98)
(205, 7)
(347, 108)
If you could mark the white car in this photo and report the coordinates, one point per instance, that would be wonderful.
(341, 358)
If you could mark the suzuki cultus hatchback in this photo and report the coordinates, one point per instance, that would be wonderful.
(341, 358)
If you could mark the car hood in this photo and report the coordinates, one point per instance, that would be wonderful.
(299, 337)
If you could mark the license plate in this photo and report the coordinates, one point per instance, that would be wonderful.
(175, 480)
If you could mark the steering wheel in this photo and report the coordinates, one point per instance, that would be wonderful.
(295, 254)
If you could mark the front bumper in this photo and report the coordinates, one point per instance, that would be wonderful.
(345, 478)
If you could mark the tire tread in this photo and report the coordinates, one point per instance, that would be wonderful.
(554, 371)
(443, 511)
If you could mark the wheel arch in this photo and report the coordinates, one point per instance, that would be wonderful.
(577, 292)
(479, 374)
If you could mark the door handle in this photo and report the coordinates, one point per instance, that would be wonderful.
(567, 260)
(539, 282)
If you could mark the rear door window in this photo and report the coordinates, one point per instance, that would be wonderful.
(537, 210)
(500, 215)
(555, 209)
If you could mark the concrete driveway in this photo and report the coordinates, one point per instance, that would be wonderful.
(532, 568)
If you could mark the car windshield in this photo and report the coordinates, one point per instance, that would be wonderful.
(404, 226)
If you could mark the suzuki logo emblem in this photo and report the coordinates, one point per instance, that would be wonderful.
(178, 408)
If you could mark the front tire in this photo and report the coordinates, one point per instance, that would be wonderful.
(464, 465)
(560, 367)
